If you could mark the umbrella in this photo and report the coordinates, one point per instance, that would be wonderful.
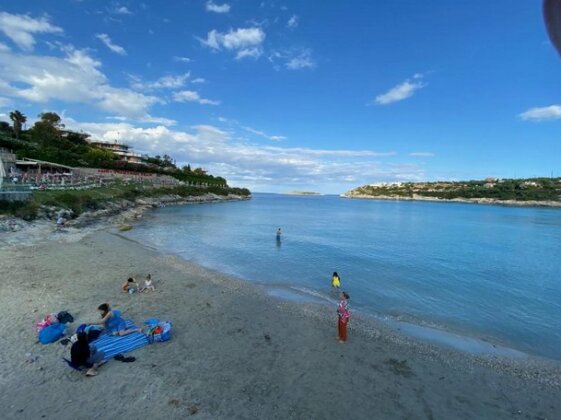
(552, 17)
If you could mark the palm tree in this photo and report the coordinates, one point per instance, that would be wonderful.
(19, 120)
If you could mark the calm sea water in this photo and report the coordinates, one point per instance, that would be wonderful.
(488, 272)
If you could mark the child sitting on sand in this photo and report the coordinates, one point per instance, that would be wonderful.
(148, 284)
(130, 286)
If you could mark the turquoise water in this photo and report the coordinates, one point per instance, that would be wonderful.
(488, 272)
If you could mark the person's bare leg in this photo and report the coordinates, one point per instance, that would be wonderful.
(127, 332)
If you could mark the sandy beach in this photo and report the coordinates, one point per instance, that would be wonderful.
(236, 353)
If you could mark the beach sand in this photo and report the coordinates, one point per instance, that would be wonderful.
(236, 352)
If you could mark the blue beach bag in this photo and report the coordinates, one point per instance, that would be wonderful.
(51, 333)
(163, 329)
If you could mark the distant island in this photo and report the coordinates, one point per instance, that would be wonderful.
(302, 193)
(544, 192)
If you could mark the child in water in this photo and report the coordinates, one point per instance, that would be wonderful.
(335, 280)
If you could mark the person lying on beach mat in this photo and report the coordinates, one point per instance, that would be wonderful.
(84, 355)
(112, 321)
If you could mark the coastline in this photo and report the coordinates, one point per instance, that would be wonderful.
(15, 231)
(484, 201)
(220, 363)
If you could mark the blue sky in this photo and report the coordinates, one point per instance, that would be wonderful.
(297, 95)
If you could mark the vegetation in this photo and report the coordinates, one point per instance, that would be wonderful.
(533, 189)
(48, 140)
(94, 199)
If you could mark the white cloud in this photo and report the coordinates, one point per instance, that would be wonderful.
(198, 80)
(121, 10)
(552, 112)
(109, 44)
(4, 47)
(182, 59)
(300, 61)
(217, 8)
(164, 82)
(245, 41)
(21, 28)
(257, 166)
(192, 96)
(421, 154)
(293, 59)
(402, 91)
(75, 78)
(249, 52)
(263, 134)
(293, 22)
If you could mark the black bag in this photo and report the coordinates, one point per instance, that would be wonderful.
(64, 317)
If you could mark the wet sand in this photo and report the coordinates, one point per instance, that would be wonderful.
(236, 352)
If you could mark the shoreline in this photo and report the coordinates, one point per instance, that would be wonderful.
(15, 231)
(482, 201)
(220, 360)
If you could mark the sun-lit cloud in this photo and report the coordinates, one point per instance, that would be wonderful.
(22, 28)
(106, 40)
(192, 96)
(401, 91)
(246, 42)
(258, 166)
(74, 78)
(217, 8)
(552, 112)
(198, 80)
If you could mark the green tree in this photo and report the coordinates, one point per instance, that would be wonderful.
(19, 120)
(46, 131)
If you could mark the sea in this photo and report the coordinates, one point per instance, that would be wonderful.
(483, 278)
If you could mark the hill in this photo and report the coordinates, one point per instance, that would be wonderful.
(529, 191)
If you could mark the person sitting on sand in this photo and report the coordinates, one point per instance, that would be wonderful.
(112, 321)
(148, 286)
(335, 280)
(130, 286)
(344, 315)
(81, 354)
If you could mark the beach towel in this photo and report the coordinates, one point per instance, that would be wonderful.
(112, 345)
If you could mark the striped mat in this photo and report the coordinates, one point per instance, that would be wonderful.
(113, 345)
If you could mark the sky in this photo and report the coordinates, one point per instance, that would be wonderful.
(297, 95)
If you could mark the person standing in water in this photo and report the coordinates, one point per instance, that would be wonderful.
(335, 280)
(279, 233)
(344, 315)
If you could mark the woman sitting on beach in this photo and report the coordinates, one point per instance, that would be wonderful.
(112, 321)
(335, 280)
(130, 286)
(81, 354)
